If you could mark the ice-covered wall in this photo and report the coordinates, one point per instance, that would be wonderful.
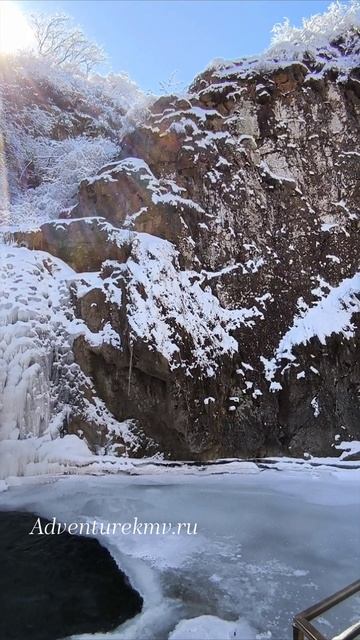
(34, 296)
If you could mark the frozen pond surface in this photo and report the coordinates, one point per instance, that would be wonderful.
(269, 544)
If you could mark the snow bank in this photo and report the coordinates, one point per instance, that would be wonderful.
(40, 456)
(175, 304)
(332, 314)
(68, 455)
(212, 628)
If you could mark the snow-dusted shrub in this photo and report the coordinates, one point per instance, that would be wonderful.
(73, 158)
(58, 127)
(119, 89)
(60, 166)
(106, 98)
(318, 30)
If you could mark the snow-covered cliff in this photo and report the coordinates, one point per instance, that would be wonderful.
(199, 295)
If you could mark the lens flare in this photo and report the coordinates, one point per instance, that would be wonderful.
(15, 31)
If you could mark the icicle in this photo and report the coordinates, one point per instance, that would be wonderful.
(130, 368)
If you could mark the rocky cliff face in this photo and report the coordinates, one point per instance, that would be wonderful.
(216, 268)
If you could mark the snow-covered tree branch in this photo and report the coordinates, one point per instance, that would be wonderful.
(58, 40)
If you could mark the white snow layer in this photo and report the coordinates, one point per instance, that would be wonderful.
(332, 314)
(176, 304)
(167, 306)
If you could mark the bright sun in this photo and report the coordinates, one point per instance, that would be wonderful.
(15, 32)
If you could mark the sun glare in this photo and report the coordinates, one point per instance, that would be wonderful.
(15, 32)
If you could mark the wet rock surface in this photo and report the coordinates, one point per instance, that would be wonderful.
(54, 586)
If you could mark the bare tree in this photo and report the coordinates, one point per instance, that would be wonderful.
(172, 85)
(64, 44)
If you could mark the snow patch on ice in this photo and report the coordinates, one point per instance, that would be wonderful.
(209, 627)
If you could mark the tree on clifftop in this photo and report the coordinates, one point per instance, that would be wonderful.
(64, 44)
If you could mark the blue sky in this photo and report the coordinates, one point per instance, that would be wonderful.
(151, 40)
